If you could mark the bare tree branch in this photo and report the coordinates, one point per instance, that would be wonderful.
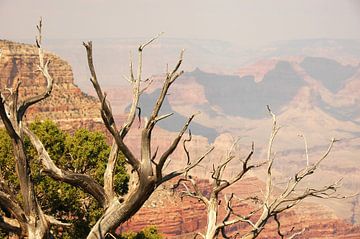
(146, 181)
(7, 122)
(272, 205)
(110, 171)
(289, 197)
(56, 222)
(171, 149)
(117, 209)
(28, 214)
(6, 201)
(44, 69)
(185, 149)
(83, 181)
(187, 192)
(10, 225)
(107, 113)
(149, 126)
(306, 149)
(198, 234)
(282, 236)
(186, 169)
(170, 78)
(297, 234)
(244, 170)
(278, 226)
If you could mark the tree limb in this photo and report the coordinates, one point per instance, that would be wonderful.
(10, 225)
(237, 177)
(14, 208)
(110, 171)
(186, 169)
(171, 149)
(52, 220)
(106, 112)
(43, 68)
(83, 181)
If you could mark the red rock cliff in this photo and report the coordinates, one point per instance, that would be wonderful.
(181, 218)
(66, 103)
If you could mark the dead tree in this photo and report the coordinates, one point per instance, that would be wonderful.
(147, 170)
(265, 209)
(28, 218)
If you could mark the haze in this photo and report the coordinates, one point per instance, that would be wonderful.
(249, 23)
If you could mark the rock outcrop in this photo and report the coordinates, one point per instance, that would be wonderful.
(174, 217)
(66, 104)
(181, 218)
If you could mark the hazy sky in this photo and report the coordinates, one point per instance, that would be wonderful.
(248, 22)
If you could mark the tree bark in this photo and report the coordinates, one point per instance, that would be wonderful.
(212, 214)
(119, 212)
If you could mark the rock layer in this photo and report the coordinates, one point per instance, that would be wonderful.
(181, 218)
(174, 217)
(19, 62)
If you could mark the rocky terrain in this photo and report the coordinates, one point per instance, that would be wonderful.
(67, 104)
(312, 87)
(312, 106)
(181, 218)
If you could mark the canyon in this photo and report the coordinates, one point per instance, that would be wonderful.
(67, 104)
(178, 217)
(312, 106)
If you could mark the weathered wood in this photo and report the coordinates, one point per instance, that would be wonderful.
(30, 217)
(269, 207)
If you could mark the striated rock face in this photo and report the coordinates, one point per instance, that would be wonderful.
(181, 218)
(174, 217)
(258, 70)
(67, 103)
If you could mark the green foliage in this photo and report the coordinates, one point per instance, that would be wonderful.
(7, 166)
(83, 152)
(3, 235)
(87, 152)
(150, 232)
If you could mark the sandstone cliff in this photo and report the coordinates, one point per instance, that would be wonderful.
(181, 218)
(66, 104)
(175, 218)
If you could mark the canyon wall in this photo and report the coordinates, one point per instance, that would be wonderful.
(174, 217)
(177, 217)
(67, 104)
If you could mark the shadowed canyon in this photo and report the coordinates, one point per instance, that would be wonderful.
(312, 86)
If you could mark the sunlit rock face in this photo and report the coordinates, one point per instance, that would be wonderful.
(303, 99)
(181, 218)
(19, 62)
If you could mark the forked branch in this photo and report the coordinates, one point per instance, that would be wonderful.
(106, 111)
(271, 206)
(83, 181)
(44, 69)
(149, 169)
